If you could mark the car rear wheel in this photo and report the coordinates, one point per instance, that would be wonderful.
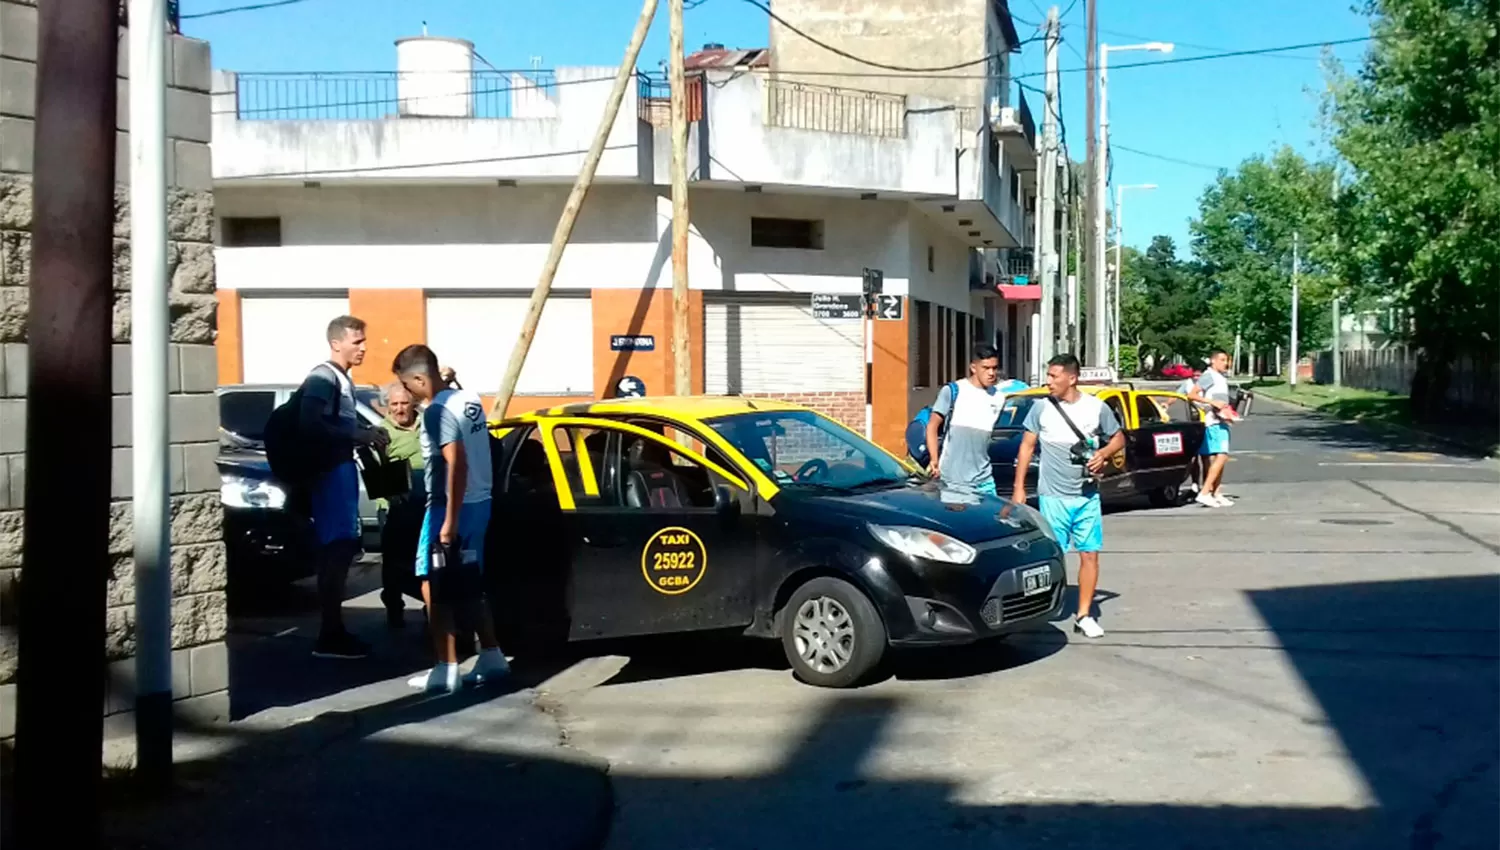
(831, 633)
(1165, 497)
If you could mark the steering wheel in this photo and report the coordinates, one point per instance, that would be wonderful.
(815, 468)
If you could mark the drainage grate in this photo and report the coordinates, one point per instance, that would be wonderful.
(1358, 522)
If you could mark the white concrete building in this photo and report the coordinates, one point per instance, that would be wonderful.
(424, 201)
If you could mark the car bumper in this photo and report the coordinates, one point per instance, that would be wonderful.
(954, 607)
(266, 545)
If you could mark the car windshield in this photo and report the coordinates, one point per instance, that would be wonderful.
(802, 448)
(1016, 409)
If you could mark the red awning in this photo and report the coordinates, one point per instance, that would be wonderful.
(1028, 292)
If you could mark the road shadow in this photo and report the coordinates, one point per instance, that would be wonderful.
(1300, 424)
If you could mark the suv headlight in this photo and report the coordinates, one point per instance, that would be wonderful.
(923, 543)
(238, 492)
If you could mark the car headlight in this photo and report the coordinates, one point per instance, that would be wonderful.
(238, 492)
(923, 543)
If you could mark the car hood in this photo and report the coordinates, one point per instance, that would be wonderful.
(963, 514)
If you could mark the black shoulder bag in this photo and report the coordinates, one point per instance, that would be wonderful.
(1080, 453)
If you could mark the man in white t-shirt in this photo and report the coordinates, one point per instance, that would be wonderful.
(1212, 390)
(450, 553)
(963, 422)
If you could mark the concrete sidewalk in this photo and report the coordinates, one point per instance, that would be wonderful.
(344, 754)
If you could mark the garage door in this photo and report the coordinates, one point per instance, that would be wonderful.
(755, 346)
(283, 338)
(475, 335)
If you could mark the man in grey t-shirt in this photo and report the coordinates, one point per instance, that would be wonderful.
(969, 408)
(1212, 391)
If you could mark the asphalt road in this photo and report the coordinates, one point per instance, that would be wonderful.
(1316, 666)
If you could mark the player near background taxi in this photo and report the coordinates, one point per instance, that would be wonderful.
(1078, 435)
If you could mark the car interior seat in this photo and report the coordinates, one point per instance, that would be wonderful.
(649, 480)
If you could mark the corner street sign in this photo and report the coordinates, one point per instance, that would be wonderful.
(630, 387)
(625, 342)
(888, 307)
(837, 306)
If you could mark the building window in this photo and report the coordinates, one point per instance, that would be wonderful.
(960, 332)
(786, 233)
(1015, 185)
(931, 259)
(923, 318)
(250, 232)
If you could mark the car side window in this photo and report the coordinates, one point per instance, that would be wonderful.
(590, 477)
(1117, 409)
(1147, 412)
(530, 477)
(658, 477)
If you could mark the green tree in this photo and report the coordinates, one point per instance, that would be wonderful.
(1163, 303)
(1243, 236)
(1419, 126)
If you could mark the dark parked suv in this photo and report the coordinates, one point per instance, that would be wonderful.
(266, 543)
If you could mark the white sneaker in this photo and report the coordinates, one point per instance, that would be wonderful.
(490, 667)
(1089, 627)
(441, 679)
(1224, 502)
(1208, 500)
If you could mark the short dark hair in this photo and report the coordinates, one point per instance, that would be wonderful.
(1067, 361)
(343, 325)
(982, 351)
(1216, 352)
(415, 360)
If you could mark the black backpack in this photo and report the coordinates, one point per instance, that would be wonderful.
(295, 458)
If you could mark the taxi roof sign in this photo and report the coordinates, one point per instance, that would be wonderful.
(1096, 375)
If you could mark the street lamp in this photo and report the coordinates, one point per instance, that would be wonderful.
(1119, 242)
(1098, 321)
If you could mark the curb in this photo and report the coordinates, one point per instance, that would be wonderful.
(1388, 427)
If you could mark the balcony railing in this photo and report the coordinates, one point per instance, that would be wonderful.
(833, 110)
(1018, 264)
(654, 99)
(373, 96)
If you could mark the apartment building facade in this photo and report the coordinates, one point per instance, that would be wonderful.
(424, 202)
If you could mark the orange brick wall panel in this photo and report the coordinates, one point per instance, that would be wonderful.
(394, 319)
(643, 312)
(891, 382)
(228, 344)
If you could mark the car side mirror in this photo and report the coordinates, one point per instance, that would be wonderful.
(725, 503)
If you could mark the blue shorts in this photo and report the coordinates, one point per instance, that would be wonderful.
(473, 524)
(987, 487)
(334, 502)
(1078, 521)
(1215, 440)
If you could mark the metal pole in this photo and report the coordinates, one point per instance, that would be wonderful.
(1098, 294)
(150, 332)
(1338, 365)
(869, 375)
(1093, 201)
(570, 210)
(1047, 205)
(681, 358)
(1296, 262)
(65, 560)
(1119, 240)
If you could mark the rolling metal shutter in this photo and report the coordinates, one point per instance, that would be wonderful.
(758, 345)
(475, 334)
(283, 338)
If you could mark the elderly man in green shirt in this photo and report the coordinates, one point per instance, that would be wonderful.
(403, 522)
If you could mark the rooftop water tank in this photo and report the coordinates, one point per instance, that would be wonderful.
(435, 77)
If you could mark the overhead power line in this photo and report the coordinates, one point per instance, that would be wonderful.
(1171, 159)
(252, 7)
(1179, 60)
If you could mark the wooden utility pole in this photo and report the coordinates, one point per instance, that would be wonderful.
(682, 360)
(65, 560)
(571, 208)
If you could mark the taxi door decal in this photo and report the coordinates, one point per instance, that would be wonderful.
(673, 560)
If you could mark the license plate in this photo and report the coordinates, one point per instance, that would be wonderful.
(1169, 444)
(1036, 580)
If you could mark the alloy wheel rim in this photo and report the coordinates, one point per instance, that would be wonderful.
(824, 634)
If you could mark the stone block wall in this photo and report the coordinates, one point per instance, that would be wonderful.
(200, 660)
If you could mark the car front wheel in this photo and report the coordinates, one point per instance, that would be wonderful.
(831, 633)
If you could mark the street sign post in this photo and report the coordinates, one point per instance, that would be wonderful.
(826, 306)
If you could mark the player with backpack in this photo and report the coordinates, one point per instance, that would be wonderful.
(955, 441)
(310, 444)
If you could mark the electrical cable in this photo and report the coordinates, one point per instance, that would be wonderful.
(1171, 159)
(1179, 60)
(314, 174)
(252, 7)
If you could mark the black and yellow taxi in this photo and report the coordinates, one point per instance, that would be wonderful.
(652, 516)
(1163, 432)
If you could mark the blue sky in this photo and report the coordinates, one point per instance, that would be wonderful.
(1215, 112)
